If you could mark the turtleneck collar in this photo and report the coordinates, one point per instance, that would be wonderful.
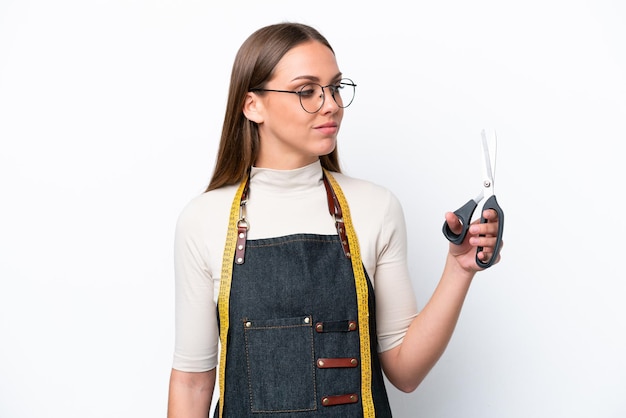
(280, 181)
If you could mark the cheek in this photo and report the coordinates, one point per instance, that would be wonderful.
(287, 110)
(293, 117)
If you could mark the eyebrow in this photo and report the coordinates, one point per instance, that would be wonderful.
(314, 78)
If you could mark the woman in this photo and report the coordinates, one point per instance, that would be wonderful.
(298, 271)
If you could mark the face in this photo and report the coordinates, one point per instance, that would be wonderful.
(290, 137)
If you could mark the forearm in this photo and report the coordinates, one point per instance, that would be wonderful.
(430, 332)
(190, 394)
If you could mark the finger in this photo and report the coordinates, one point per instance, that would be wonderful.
(487, 242)
(485, 257)
(491, 215)
(489, 228)
(488, 252)
(454, 223)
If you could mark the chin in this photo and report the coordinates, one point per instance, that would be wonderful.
(328, 147)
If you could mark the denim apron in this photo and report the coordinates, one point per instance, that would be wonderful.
(294, 343)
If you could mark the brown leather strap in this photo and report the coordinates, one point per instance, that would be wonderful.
(242, 226)
(340, 399)
(335, 210)
(332, 363)
(336, 326)
(240, 251)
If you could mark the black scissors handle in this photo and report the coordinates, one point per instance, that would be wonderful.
(464, 213)
(492, 203)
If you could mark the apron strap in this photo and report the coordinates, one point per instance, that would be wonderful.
(242, 223)
(335, 210)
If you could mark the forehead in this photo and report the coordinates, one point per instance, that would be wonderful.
(308, 60)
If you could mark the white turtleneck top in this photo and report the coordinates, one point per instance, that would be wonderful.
(285, 202)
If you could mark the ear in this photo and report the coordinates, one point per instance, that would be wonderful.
(253, 107)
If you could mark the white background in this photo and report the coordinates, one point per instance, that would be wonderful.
(110, 113)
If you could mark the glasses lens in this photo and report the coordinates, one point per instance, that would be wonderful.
(312, 97)
(344, 92)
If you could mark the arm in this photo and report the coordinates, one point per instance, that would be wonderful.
(192, 378)
(190, 394)
(429, 333)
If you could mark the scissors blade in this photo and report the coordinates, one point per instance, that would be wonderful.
(489, 167)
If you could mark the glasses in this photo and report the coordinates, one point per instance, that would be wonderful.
(312, 95)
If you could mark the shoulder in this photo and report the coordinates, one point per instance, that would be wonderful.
(209, 210)
(369, 201)
(359, 191)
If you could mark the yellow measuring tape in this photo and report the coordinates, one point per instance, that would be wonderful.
(225, 281)
(361, 294)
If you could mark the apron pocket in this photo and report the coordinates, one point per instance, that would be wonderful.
(281, 366)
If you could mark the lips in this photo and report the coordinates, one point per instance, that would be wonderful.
(328, 128)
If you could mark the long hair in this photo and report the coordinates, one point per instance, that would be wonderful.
(253, 67)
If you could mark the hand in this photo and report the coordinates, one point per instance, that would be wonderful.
(465, 253)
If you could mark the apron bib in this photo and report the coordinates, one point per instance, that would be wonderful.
(298, 325)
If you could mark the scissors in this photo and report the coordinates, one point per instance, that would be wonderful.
(465, 212)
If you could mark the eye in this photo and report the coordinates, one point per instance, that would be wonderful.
(336, 88)
(308, 90)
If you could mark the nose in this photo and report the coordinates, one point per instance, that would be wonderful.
(329, 105)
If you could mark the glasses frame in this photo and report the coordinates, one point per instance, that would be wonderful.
(331, 87)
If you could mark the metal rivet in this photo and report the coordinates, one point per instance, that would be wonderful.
(324, 401)
(239, 260)
(354, 361)
(319, 327)
(240, 247)
(241, 235)
(307, 320)
(352, 326)
(248, 324)
(320, 363)
(353, 398)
